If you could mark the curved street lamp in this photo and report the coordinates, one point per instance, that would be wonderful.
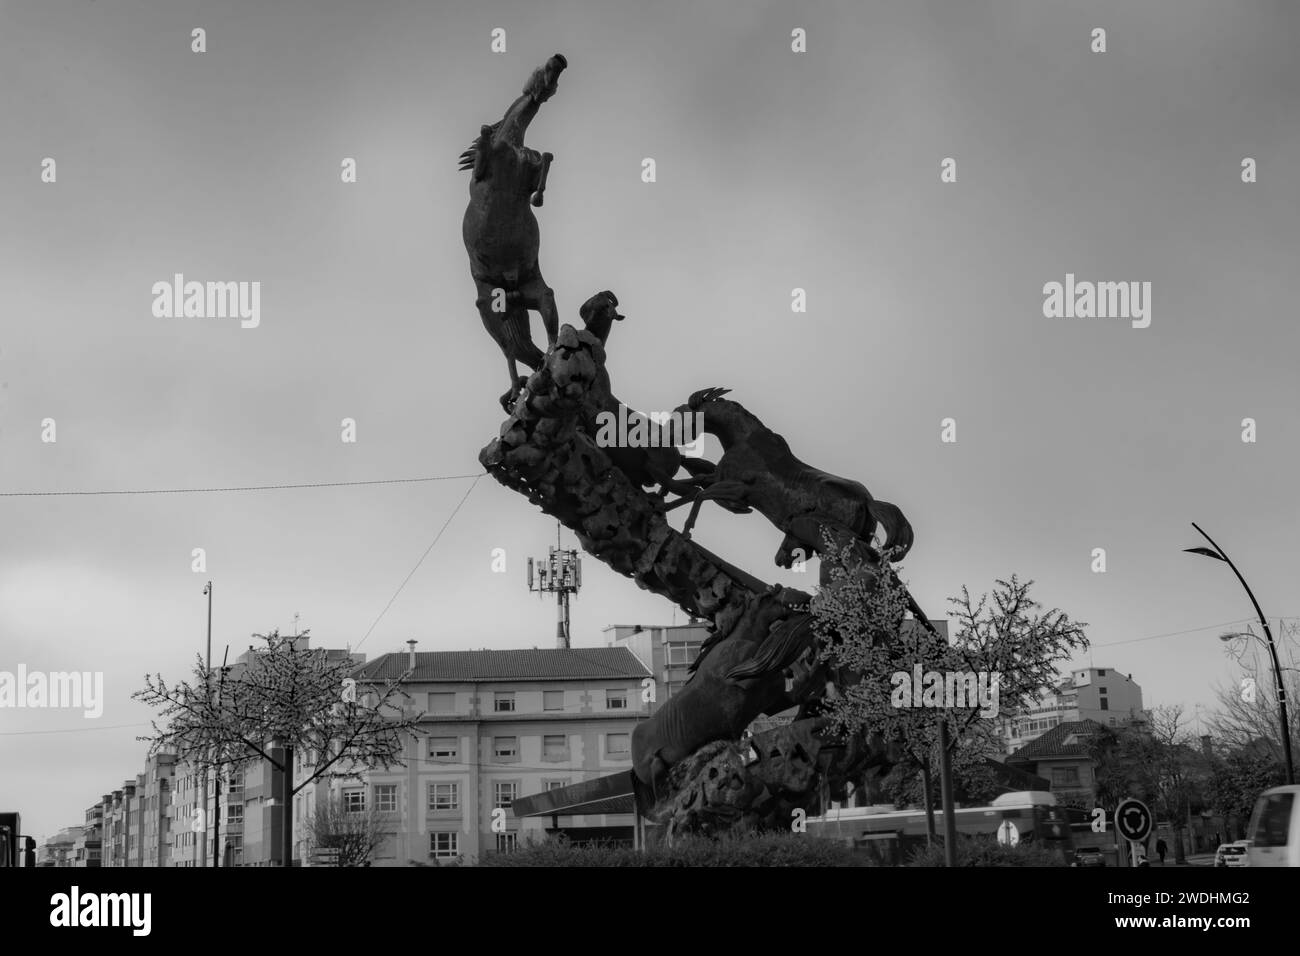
(1214, 551)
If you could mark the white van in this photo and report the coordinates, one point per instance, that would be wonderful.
(1275, 828)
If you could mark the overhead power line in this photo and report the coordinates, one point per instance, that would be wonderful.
(1190, 630)
(68, 730)
(195, 491)
(421, 561)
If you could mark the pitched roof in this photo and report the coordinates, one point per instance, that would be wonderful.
(1067, 739)
(586, 663)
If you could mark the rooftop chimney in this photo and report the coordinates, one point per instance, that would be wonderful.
(411, 659)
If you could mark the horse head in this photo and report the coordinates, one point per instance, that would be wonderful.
(510, 129)
(541, 86)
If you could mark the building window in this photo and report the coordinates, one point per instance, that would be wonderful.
(444, 796)
(1104, 705)
(1065, 776)
(444, 845)
(354, 800)
(618, 745)
(507, 842)
(236, 788)
(503, 794)
(444, 748)
(555, 784)
(386, 798)
(555, 747)
(505, 748)
(616, 700)
(235, 813)
(1101, 690)
(235, 849)
(552, 700)
(503, 702)
(681, 654)
(442, 703)
(1101, 672)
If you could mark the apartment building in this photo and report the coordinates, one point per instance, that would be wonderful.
(1100, 694)
(88, 844)
(59, 850)
(154, 791)
(498, 725)
(666, 651)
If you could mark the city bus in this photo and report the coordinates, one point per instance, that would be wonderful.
(894, 834)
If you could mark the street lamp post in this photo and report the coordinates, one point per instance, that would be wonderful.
(207, 663)
(1214, 551)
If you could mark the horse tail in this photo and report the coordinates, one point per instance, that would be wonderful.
(517, 340)
(898, 530)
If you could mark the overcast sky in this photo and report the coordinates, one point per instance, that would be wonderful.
(776, 170)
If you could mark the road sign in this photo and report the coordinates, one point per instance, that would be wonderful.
(325, 856)
(1133, 820)
(1008, 835)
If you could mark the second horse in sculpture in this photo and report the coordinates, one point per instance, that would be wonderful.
(758, 470)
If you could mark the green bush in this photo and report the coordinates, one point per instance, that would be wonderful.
(779, 849)
(983, 851)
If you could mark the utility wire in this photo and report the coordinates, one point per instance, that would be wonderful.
(1190, 630)
(422, 557)
(68, 730)
(191, 491)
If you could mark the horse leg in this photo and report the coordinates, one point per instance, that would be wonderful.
(535, 294)
(690, 518)
(540, 191)
(517, 383)
(494, 322)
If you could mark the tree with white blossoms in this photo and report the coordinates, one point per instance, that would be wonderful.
(284, 700)
(860, 615)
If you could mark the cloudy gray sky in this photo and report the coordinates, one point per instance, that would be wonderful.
(776, 170)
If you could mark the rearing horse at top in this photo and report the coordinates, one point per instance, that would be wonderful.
(500, 230)
(758, 471)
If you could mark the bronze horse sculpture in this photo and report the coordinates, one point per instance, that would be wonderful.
(500, 230)
(758, 470)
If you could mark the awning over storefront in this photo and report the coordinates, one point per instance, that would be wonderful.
(611, 794)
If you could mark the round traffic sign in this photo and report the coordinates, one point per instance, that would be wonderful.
(1133, 820)
(1008, 835)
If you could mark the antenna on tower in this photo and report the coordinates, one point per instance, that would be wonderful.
(559, 573)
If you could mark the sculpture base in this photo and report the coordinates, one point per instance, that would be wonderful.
(755, 784)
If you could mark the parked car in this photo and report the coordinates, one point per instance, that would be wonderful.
(1088, 856)
(1233, 854)
(1275, 828)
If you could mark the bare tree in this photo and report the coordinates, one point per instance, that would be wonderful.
(355, 833)
(1246, 713)
(283, 700)
(1158, 763)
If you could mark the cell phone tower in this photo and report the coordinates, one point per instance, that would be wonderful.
(560, 572)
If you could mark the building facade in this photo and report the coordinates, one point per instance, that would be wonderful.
(86, 849)
(59, 850)
(1102, 694)
(1063, 756)
(497, 725)
(666, 651)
